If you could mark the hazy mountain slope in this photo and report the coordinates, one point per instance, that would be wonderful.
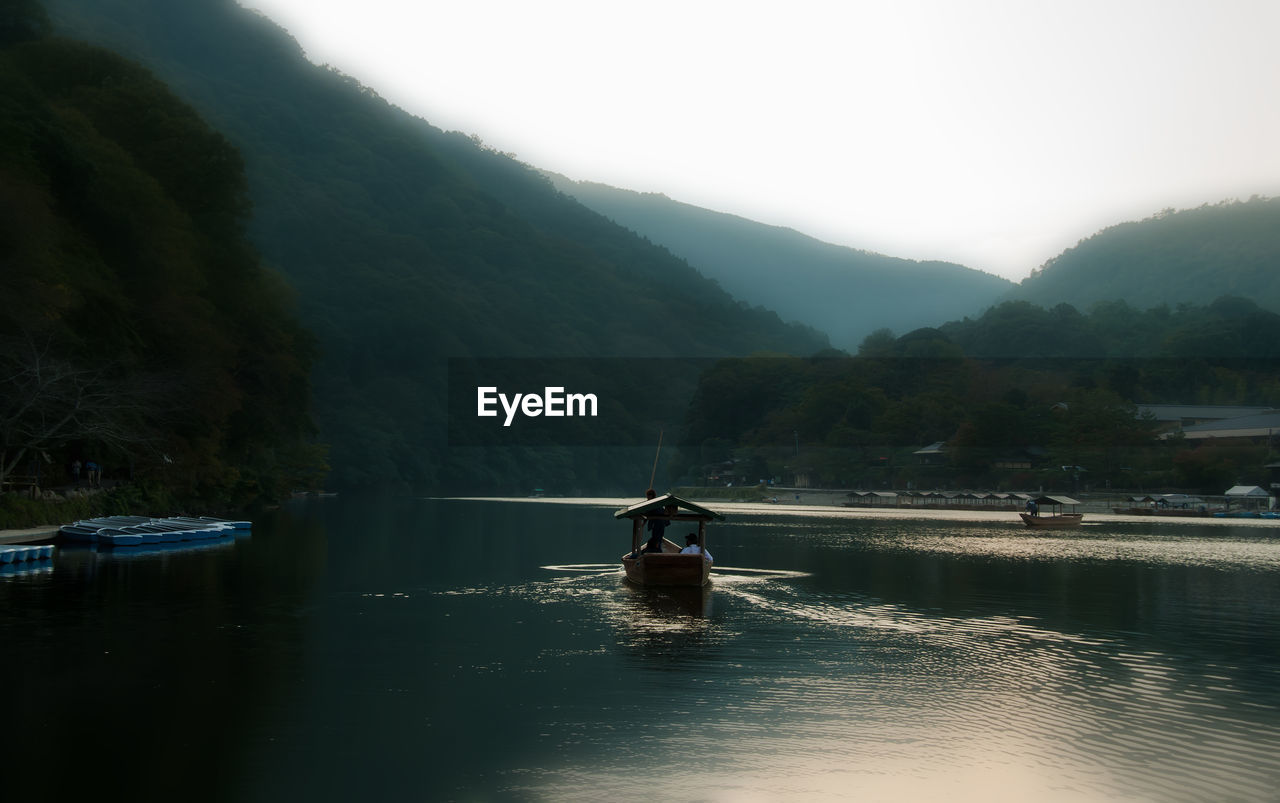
(845, 292)
(1188, 256)
(408, 245)
(138, 327)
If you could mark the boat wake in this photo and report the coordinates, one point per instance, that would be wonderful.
(737, 573)
(730, 574)
(585, 568)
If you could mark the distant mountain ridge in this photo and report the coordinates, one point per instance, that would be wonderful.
(845, 292)
(409, 246)
(1175, 257)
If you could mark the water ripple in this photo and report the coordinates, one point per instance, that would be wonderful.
(873, 684)
(807, 691)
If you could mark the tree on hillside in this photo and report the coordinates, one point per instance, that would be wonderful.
(877, 344)
(46, 402)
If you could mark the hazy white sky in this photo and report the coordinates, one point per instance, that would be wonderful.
(994, 133)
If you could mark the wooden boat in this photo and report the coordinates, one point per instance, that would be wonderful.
(1056, 519)
(668, 567)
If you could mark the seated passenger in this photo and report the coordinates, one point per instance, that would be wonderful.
(692, 548)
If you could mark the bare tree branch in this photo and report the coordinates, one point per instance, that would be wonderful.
(46, 401)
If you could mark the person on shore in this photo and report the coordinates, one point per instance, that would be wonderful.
(75, 471)
(91, 468)
(693, 548)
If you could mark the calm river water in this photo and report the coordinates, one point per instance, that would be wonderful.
(486, 650)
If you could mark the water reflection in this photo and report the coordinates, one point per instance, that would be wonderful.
(914, 684)
(655, 623)
(468, 650)
(1214, 548)
(145, 662)
(26, 569)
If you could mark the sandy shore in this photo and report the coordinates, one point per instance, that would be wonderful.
(33, 535)
(729, 508)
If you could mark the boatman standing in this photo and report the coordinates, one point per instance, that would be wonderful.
(657, 527)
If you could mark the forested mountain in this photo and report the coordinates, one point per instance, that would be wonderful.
(1229, 327)
(1015, 394)
(845, 292)
(138, 328)
(1176, 257)
(409, 246)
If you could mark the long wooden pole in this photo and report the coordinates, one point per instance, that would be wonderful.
(654, 473)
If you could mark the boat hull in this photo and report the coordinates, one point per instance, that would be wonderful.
(1058, 522)
(667, 569)
(113, 538)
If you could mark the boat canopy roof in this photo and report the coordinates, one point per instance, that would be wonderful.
(1055, 500)
(656, 505)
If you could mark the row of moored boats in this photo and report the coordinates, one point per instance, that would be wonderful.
(21, 552)
(138, 530)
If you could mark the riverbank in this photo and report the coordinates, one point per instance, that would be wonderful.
(820, 504)
(1091, 502)
(31, 535)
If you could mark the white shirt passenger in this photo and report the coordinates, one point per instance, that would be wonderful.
(694, 549)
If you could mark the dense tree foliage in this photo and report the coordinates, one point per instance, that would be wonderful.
(1228, 327)
(1175, 257)
(409, 246)
(1016, 395)
(139, 328)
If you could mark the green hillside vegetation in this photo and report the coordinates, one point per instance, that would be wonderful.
(1064, 400)
(139, 327)
(1228, 327)
(1176, 257)
(844, 292)
(409, 246)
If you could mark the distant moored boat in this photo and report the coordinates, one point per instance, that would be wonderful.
(137, 530)
(1056, 518)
